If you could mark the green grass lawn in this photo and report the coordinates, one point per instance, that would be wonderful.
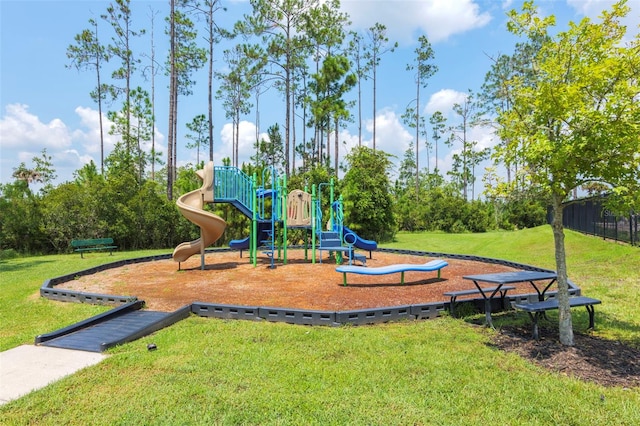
(441, 371)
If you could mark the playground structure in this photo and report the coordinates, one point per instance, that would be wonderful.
(129, 321)
(272, 211)
(211, 226)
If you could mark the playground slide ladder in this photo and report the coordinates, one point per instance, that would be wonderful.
(232, 185)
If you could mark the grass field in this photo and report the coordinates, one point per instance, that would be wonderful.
(441, 371)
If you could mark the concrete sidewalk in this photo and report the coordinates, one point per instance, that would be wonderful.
(28, 368)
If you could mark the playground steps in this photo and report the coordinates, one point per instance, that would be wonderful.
(268, 243)
(331, 241)
(117, 326)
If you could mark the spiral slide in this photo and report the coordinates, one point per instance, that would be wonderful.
(191, 206)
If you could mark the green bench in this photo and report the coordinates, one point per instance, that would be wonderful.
(95, 244)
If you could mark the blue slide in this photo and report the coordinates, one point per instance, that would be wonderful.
(360, 243)
(242, 244)
(264, 229)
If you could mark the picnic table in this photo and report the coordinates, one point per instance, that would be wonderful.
(499, 279)
(535, 310)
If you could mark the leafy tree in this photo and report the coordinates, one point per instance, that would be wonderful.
(377, 47)
(214, 34)
(87, 174)
(43, 171)
(280, 24)
(406, 175)
(409, 210)
(185, 57)
(244, 64)
(356, 51)
(269, 152)
(367, 194)
(330, 85)
(464, 161)
(199, 127)
(68, 212)
(324, 33)
(497, 90)
(20, 210)
(88, 53)
(438, 124)
(120, 18)
(142, 128)
(424, 70)
(134, 134)
(155, 157)
(577, 119)
(172, 69)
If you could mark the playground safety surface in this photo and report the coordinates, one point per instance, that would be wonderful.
(230, 279)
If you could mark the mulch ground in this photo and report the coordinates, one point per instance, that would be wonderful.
(606, 362)
(229, 279)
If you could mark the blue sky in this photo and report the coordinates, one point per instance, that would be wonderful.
(43, 104)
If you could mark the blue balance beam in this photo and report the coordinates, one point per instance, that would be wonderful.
(433, 265)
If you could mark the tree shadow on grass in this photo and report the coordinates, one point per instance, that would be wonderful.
(8, 266)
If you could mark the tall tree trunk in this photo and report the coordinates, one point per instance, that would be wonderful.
(359, 108)
(100, 123)
(418, 137)
(153, 99)
(565, 323)
(293, 131)
(235, 154)
(210, 87)
(287, 94)
(172, 91)
(128, 84)
(374, 106)
(336, 147)
(328, 144)
(175, 130)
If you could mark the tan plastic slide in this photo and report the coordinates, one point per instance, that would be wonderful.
(191, 206)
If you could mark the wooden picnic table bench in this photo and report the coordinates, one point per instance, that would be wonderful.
(433, 265)
(536, 309)
(485, 290)
(94, 244)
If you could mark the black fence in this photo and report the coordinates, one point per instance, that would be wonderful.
(590, 217)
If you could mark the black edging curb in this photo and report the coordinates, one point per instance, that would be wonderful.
(290, 315)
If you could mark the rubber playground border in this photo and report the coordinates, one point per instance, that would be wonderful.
(291, 315)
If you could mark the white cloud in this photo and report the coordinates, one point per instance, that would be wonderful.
(439, 19)
(246, 138)
(89, 135)
(21, 129)
(23, 136)
(348, 142)
(593, 9)
(506, 4)
(391, 136)
(72, 159)
(443, 101)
